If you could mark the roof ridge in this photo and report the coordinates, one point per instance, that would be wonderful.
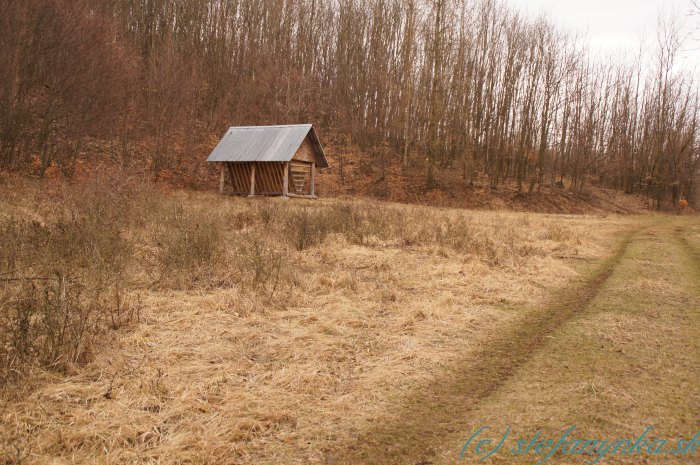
(272, 126)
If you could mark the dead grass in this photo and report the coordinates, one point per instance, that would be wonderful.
(270, 332)
(628, 361)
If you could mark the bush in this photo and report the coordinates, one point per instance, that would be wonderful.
(306, 227)
(50, 323)
(191, 247)
(260, 263)
(61, 283)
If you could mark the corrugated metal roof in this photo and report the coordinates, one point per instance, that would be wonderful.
(266, 143)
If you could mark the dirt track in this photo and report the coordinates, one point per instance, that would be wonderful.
(426, 426)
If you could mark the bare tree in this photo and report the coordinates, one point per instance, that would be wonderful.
(454, 88)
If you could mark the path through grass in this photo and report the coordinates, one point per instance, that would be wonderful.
(612, 353)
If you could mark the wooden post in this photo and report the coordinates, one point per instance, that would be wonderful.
(285, 181)
(252, 180)
(313, 179)
(222, 178)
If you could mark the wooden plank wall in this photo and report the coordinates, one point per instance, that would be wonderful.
(305, 152)
(270, 180)
(268, 177)
(300, 179)
(240, 177)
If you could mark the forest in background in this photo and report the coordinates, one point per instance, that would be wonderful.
(438, 86)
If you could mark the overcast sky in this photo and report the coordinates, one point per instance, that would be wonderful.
(613, 25)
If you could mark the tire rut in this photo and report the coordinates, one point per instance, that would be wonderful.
(691, 250)
(434, 411)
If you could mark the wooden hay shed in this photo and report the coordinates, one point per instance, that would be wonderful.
(270, 160)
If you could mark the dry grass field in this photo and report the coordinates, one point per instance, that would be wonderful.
(186, 328)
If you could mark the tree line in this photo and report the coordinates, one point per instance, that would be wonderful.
(468, 86)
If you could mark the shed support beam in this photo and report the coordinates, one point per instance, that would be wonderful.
(313, 179)
(252, 180)
(285, 181)
(222, 177)
(300, 196)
